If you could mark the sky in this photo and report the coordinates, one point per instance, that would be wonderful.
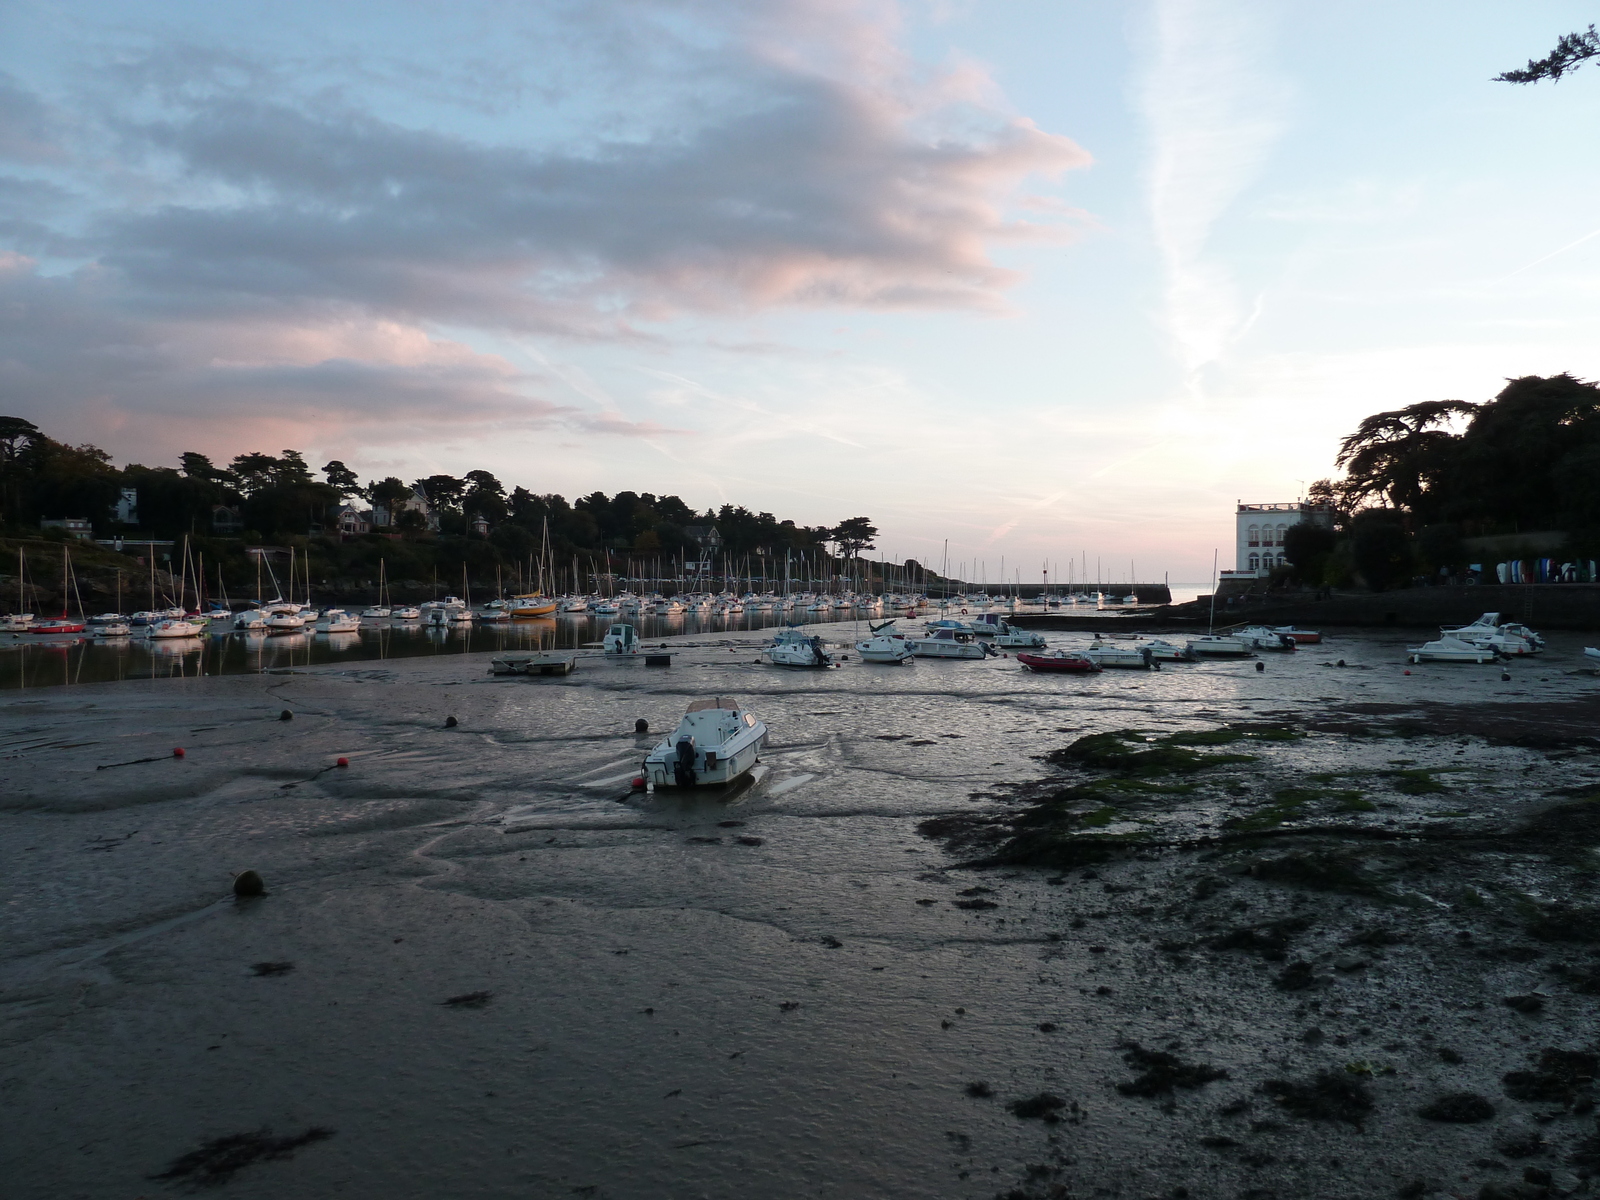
(1053, 281)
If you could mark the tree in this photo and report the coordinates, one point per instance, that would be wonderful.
(15, 434)
(254, 471)
(386, 493)
(853, 536)
(1401, 457)
(343, 480)
(443, 491)
(1571, 50)
(1307, 546)
(1380, 548)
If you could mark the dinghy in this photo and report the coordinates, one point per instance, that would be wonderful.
(1061, 660)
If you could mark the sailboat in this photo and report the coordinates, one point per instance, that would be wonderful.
(381, 610)
(63, 623)
(19, 621)
(535, 603)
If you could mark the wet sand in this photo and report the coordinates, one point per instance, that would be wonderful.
(791, 990)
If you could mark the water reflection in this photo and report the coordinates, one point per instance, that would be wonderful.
(27, 661)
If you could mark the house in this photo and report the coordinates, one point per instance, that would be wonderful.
(480, 525)
(352, 521)
(1259, 533)
(126, 509)
(226, 520)
(76, 527)
(417, 502)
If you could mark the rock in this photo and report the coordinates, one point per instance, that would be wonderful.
(979, 1090)
(641, 726)
(1528, 1004)
(1297, 976)
(1519, 1143)
(1046, 1106)
(249, 883)
(1560, 1076)
(1160, 1072)
(451, 722)
(1330, 1096)
(1349, 963)
(1460, 1108)
(286, 715)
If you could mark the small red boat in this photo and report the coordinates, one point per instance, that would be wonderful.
(57, 625)
(1059, 661)
(1302, 637)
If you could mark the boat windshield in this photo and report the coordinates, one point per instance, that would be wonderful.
(716, 702)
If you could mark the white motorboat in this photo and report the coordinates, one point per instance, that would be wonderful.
(218, 618)
(494, 616)
(336, 620)
(16, 623)
(111, 629)
(378, 612)
(1592, 652)
(1510, 638)
(941, 641)
(1105, 655)
(1164, 651)
(437, 618)
(405, 613)
(575, 604)
(606, 608)
(1261, 637)
(283, 621)
(621, 639)
(669, 608)
(174, 627)
(459, 616)
(1216, 646)
(251, 620)
(886, 645)
(1005, 634)
(1451, 649)
(716, 742)
(792, 648)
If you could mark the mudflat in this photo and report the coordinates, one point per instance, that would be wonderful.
(1314, 931)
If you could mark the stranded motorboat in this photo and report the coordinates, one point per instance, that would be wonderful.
(791, 648)
(1262, 637)
(992, 624)
(1302, 637)
(1103, 655)
(942, 641)
(251, 620)
(1218, 646)
(1510, 638)
(1060, 660)
(1164, 651)
(1451, 649)
(621, 639)
(56, 625)
(716, 742)
(886, 645)
(405, 613)
(111, 629)
(1591, 652)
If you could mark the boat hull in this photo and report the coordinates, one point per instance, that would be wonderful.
(1073, 664)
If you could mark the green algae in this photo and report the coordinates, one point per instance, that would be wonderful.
(1416, 781)
(1129, 752)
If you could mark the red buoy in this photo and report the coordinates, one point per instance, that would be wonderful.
(638, 781)
(177, 752)
(343, 762)
(1408, 672)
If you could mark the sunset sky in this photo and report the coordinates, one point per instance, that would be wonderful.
(1042, 277)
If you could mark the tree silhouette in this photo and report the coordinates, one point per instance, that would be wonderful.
(1401, 456)
(1572, 49)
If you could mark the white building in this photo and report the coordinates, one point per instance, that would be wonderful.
(1260, 529)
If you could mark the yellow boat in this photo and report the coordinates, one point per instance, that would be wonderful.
(525, 608)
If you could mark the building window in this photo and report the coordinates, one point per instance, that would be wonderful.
(1255, 562)
(1255, 535)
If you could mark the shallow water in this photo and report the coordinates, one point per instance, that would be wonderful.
(674, 1012)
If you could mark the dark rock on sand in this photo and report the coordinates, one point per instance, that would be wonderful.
(216, 1161)
(1330, 1096)
(249, 883)
(1560, 1076)
(1461, 1108)
(1161, 1071)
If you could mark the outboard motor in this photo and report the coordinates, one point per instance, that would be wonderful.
(818, 654)
(988, 650)
(683, 765)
